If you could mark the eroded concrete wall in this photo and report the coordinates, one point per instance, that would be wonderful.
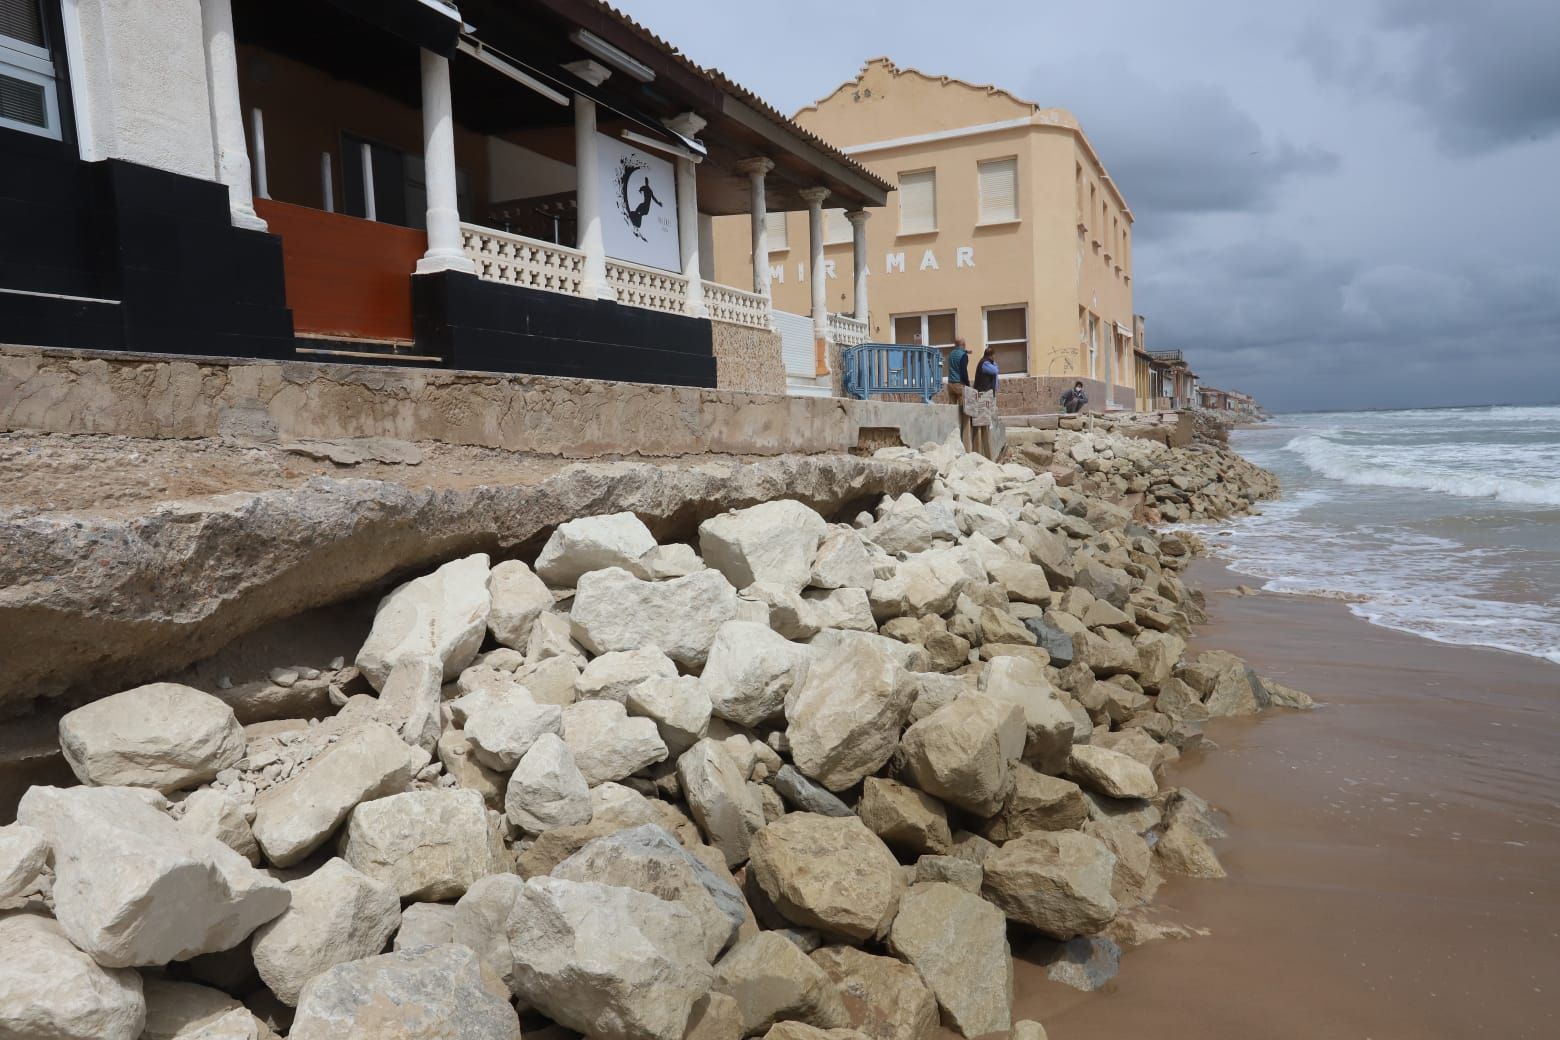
(748, 359)
(59, 391)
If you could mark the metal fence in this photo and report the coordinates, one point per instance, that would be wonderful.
(886, 368)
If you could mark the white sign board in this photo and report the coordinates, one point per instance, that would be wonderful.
(638, 206)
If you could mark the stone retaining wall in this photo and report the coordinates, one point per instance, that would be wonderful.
(748, 359)
(140, 395)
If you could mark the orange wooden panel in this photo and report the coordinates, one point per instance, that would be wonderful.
(346, 276)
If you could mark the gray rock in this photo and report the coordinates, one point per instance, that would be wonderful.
(1085, 963)
(678, 706)
(431, 991)
(802, 795)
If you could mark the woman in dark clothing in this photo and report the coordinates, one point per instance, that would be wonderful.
(986, 373)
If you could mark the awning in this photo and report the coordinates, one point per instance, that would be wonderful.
(430, 24)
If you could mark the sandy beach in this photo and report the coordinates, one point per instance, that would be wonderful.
(1394, 856)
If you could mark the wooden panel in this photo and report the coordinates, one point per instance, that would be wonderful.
(345, 276)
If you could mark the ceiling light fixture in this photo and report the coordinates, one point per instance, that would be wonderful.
(623, 62)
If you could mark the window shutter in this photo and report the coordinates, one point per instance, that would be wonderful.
(22, 20)
(998, 190)
(917, 202)
(835, 227)
(775, 229)
(27, 98)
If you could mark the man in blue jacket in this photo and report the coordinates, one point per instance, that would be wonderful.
(958, 383)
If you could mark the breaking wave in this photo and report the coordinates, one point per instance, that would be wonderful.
(1423, 470)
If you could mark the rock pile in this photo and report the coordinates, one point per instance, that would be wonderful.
(797, 780)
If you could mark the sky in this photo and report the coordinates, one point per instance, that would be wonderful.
(1339, 204)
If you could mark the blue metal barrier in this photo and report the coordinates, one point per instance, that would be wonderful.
(889, 368)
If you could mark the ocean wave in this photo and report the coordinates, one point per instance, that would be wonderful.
(1405, 468)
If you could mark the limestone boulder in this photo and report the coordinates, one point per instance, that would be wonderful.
(963, 752)
(458, 757)
(1037, 802)
(772, 541)
(553, 680)
(429, 845)
(1110, 584)
(842, 562)
(1024, 582)
(418, 994)
(594, 543)
(829, 873)
(716, 1017)
(611, 676)
(678, 706)
(518, 598)
(483, 920)
(1135, 880)
(720, 799)
(613, 963)
(24, 852)
(885, 998)
(790, 1029)
(906, 819)
(772, 980)
(1048, 724)
(296, 817)
(131, 889)
(750, 671)
(613, 610)
(609, 745)
(337, 914)
(186, 1011)
(553, 635)
(1181, 851)
(1229, 686)
(164, 736)
(960, 873)
(958, 943)
(845, 715)
(648, 859)
(409, 702)
(927, 583)
(441, 615)
(1111, 773)
(215, 812)
(1056, 882)
(547, 790)
(501, 731)
(50, 989)
(427, 924)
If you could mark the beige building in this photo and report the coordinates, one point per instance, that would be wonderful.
(1005, 229)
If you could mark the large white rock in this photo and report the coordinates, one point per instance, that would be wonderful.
(719, 799)
(131, 888)
(428, 845)
(772, 980)
(427, 993)
(296, 817)
(963, 752)
(772, 541)
(829, 873)
(607, 744)
(186, 1011)
(428, 924)
(24, 852)
(958, 942)
(409, 701)
(163, 735)
(594, 543)
(1111, 773)
(842, 562)
(484, 921)
(221, 813)
(750, 670)
(650, 860)
(519, 597)
(926, 583)
(338, 914)
(612, 963)
(678, 706)
(844, 716)
(547, 789)
(610, 676)
(52, 991)
(502, 730)
(613, 610)
(442, 615)
(1048, 723)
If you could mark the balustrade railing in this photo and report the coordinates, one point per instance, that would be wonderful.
(526, 262)
(846, 330)
(648, 287)
(885, 368)
(736, 307)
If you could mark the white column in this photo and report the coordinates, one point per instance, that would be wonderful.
(227, 113)
(588, 202)
(758, 209)
(688, 234)
(444, 247)
(707, 247)
(1110, 366)
(858, 228)
(820, 308)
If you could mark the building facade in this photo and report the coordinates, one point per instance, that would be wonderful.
(506, 185)
(1004, 229)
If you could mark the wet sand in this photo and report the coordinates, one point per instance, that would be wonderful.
(1394, 856)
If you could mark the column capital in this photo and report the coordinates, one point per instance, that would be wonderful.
(814, 196)
(757, 166)
(857, 217)
(686, 123)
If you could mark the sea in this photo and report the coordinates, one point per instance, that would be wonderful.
(1441, 522)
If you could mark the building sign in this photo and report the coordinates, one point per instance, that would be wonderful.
(638, 206)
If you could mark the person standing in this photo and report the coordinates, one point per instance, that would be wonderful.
(985, 392)
(958, 384)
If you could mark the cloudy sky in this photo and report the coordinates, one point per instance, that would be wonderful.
(1340, 203)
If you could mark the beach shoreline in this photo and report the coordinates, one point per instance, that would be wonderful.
(1394, 856)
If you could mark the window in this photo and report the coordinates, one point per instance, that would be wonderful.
(28, 98)
(934, 328)
(998, 190)
(1007, 334)
(836, 228)
(776, 232)
(917, 202)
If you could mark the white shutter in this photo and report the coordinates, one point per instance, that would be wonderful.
(27, 96)
(22, 20)
(836, 228)
(917, 202)
(774, 228)
(998, 190)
